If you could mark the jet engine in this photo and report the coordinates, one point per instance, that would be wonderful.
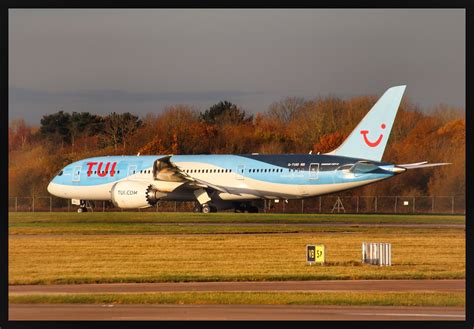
(135, 194)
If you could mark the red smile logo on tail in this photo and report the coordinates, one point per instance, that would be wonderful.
(377, 142)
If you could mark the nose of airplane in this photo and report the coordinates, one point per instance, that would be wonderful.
(52, 188)
(49, 188)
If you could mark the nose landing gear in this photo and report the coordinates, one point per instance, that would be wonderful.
(84, 206)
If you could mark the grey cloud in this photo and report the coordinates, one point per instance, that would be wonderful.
(18, 95)
(141, 60)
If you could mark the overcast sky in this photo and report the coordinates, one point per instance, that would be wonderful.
(141, 60)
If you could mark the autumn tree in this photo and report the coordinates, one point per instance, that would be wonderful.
(285, 109)
(329, 142)
(225, 112)
(83, 123)
(178, 130)
(19, 134)
(119, 127)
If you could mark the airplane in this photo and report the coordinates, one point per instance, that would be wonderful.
(220, 181)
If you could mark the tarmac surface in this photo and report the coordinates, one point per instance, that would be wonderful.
(236, 312)
(228, 312)
(257, 286)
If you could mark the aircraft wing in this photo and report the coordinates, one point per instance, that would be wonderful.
(423, 164)
(165, 170)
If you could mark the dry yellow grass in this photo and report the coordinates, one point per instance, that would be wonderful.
(437, 253)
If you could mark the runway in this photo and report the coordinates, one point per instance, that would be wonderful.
(228, 312)
(254, 286)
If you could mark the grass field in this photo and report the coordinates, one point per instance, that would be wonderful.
(47, 248)
(175, 223)
(268, 298)
(170, 217)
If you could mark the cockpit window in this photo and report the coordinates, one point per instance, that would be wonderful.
(60, 173)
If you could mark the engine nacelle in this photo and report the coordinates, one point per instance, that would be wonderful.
(135, 194)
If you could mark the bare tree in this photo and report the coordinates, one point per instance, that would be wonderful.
(118, 128)
(285, 109)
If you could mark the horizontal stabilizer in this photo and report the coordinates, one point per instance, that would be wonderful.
(423, 164)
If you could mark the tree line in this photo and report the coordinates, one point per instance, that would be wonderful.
(291, 125)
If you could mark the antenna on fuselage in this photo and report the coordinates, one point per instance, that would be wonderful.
(310, 152)
(138, 154)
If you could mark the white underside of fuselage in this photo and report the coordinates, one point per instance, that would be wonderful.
(239, 187)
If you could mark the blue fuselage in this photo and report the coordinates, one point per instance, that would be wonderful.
(243, 177)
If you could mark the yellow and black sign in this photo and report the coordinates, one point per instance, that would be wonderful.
(316, 253)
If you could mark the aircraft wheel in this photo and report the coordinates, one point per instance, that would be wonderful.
(79, 210)
(206, 209)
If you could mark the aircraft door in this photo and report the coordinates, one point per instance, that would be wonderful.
(240, 172)
(76, 174)
(314, 171)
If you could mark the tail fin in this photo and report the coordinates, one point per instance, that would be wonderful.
(369, 138)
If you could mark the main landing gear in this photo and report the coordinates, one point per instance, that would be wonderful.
(246, 208)
(205, 208)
